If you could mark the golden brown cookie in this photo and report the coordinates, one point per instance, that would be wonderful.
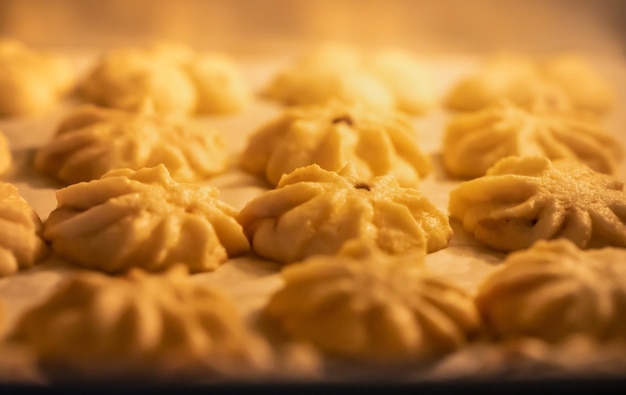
(524, 199)
(160, 327)
(564, 82)
(555, 290)
(144, 219)
(21, 245)
(31, 82)
(475, 141)
(375, 142)
(314, 211)
(175, 78)
(586, 88)
(93, 140)
(384, 79)
(366, 305)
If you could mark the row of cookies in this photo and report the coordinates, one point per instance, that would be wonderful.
(147, 214)
(93, 140)
(182, 81)
(369, 306)
(362, 307)
(162, 327)
(176, 78)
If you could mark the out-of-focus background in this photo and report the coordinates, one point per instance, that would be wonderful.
(269, 26)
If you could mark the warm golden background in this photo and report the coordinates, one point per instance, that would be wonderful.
(268, 26)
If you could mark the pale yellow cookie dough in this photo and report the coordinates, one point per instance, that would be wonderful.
(473, 142)
(366, 305)
(139, 325)
(503, 76)
(92, 141)
(307, 85)
(555, 290)
(524, 199)
(587, 89)
(178, 80)
(20, 243)
(31, 82)
(561, 82)
(375, 142)
(143, 218)
(314, 211)
(220, 87)
(531, 357)
(125, 78)
(384, 79)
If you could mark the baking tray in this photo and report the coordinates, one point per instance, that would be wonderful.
(250, 281)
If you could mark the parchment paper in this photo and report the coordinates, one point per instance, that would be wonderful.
(251, 280)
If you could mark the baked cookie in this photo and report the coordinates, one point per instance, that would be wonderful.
(6, 159)
(375, 142)
(125, 78)
(524, 199)
(93, 140)
(385, 79)
(304, 84)
(555, 290)
(504, 76)
(31, 82)
(363, 304)
(177, 80)
(531, 357)
(152, 326)
(143, 218)
(20, 243)
(220, 87)
(473, 142)
(315, 212)
(586, 89)
(565, 82)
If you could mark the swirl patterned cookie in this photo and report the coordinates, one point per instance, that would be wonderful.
(21, 245)
(158, 327)
(143, 218)
(385, 79)
(504, 76)
(581, 83)
(31, 82)
(525, 199)
(314, 211)
(555, 290)
(365, 305)
(376, 142)
(93, 140)
(178, 80)
(307, 85)
(566, 81)
(473, 142)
